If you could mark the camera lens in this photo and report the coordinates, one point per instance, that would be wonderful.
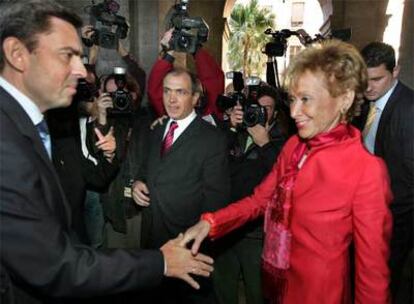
(250, 117)
(121, 100)
(183, 42)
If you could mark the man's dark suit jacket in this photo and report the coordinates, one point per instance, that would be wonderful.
(37, 251)
(394, 142)
(191, 178)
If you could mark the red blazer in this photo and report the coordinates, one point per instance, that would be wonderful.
(341, 195)
(208, 71)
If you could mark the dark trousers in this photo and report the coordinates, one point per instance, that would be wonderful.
(401, 248)
(242, 258)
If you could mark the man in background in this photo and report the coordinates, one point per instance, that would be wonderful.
(389, 133)
(186, 175)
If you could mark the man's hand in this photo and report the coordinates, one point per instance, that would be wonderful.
(259, 134)
(103, 102)
(159, 121)
(87, 31)
(196, 233)
(181, 262)
(106, 143)
(140, 194)
(165, 40)
(236, 115)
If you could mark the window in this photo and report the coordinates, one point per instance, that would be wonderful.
(297, 14)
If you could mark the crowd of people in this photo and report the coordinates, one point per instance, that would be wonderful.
(105, 198)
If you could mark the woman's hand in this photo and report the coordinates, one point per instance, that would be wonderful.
(103, 102)
(196, 233)
(106, 143)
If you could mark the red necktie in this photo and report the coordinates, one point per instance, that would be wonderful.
(168, 140)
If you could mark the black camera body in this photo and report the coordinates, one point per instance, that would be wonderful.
(104, 18)
(189, 32)
(122, 100)
(277, 47)
(253, 112)
(85, 91)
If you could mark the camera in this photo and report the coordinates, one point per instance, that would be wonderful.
(253, 112)
(104, 18)
(189, 32)
(277, 47)
(121, 98)
(85, 91)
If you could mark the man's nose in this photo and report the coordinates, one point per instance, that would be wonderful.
(172, 96)
(78, 68)
(369, 87)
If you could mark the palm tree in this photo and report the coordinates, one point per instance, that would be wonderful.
(247, 39)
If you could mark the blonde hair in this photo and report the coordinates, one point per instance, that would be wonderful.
(341, 65)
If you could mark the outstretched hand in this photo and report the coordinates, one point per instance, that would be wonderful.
(196, 233)
(181, 262)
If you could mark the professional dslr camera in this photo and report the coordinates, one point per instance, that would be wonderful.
(254, 113)
(85, 91)
(121, 98)
(189, 32)
(104, 18)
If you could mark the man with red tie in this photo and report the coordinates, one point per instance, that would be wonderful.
(186, 175)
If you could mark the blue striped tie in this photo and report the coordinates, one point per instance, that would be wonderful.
(45, 136)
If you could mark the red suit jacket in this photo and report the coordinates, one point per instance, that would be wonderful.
(341, 196)
(208, 71)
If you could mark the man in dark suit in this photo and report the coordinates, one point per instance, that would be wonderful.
(40, 261)
(186, 175)
(389, 133)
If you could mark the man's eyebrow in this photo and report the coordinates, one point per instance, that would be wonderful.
(72, 50)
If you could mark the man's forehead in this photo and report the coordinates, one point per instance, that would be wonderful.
(177, 80)
(62, 31)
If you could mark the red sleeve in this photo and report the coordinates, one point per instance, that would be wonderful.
(156, 76)
(238, 213)
(372, 222)
(212, 79)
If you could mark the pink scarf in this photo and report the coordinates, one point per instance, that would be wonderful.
(276, 250)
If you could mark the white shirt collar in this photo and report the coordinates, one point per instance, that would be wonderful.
(182, 124)
(382, 101)
(25, 102)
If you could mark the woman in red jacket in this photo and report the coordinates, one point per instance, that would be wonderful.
(324, 192)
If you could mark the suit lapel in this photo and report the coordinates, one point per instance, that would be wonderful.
(25, 126)
(385, 117)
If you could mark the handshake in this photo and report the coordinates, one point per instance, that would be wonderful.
(181, 262)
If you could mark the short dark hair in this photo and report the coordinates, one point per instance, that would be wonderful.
(195, 83)
(25, 19)
(377, 53)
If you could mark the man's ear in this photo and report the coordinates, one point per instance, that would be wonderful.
(15, 53)
(196, 97)
(396, 71)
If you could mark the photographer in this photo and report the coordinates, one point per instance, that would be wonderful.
(253, 151)
(131, 127)
(77, 172)
(208, 71)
